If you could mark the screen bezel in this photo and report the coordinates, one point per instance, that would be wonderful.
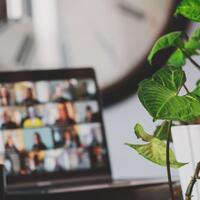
(58, 74)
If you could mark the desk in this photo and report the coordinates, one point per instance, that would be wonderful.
(140, 189)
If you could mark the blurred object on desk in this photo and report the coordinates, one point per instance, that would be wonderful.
(2, 182)
(139, 189)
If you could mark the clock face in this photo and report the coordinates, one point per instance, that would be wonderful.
(111, 35)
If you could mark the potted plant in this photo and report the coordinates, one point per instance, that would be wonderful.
(166, 97)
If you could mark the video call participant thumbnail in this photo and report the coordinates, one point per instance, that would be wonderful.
(71, 139)
(5, 96)
(63, 116)
(38, 143)
(7, 122)
(10, 146)
(91, 116)
(29, 99)
(32, 119)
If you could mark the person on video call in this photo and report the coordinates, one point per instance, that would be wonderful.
(4, 96)
(68, 139)
(38, 143)
(71, 140)
(76, 139)
(29, 98)
(10, 146)
(58, 95)
(95, 140)
(7, 122)
(96, 156)
(32, 119)
(18, 156)
(88, 114)
(63, 115)
(91, 116)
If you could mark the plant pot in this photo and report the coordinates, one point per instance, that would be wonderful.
(186, 140)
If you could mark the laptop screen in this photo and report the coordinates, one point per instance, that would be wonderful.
(51, 125)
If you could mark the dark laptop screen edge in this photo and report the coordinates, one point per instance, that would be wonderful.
(60, 74)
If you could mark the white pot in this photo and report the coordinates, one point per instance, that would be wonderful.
(186, 140)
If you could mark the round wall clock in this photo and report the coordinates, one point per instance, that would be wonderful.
(115, 36)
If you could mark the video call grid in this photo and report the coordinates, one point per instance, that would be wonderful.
(31, 102)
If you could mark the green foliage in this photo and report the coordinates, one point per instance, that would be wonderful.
(193, 44)
(196, 91)
(182, 47)
(159, 95)
(155, 151)
(191, 47)
(189, 9)
(173, 39)
(141, 134)
(162, 129)
(177, 59)
(196, 34)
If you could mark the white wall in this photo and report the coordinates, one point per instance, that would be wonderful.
(120, 120)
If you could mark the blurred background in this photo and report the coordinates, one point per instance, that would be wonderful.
(114, 37)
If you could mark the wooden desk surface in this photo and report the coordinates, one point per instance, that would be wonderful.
(138, 189)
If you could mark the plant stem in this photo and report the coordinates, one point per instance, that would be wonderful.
(194, 62)
(188, 194)
(191, 60)
(186, 89)
(168, 162)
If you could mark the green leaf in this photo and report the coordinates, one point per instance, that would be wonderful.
(159, 95)
(189, 9)
(177, 59)
(193, 44)
(172, 79)
(198, 83)
(173, 39)
(196, 91)
(162, 130)
(191, 47)
(155, 151)
(140, 133)
(196, 34)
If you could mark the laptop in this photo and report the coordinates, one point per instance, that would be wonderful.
(51, 129)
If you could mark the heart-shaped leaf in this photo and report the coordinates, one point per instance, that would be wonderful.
(175, 39)
(140, 133)
(172, 79)
(155, 151)
(169, 40)
(159, 95)
(189, 9)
